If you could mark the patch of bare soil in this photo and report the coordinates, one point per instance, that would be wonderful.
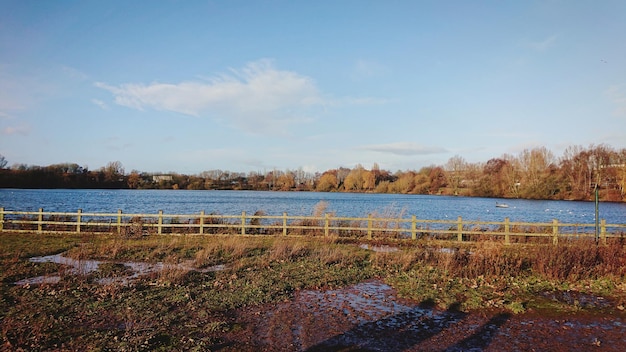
(371, 317)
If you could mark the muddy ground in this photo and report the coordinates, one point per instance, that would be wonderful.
(371, 317)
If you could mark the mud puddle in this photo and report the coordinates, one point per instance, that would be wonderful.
(88, 266)
(578, 299)
(370, 316)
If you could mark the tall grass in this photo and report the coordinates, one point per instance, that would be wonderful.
(386, 228)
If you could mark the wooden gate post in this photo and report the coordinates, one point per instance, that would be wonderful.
(243, 222)
(603, 231)
(160, 223)
(201, 222)
(1, 219)
(78, 220)
(507, 235)
(413, 227)
(369, 226)
(40, 220)
(326, 224)
(284, 223)
(119, 221)
(555, 231)
(460, 229)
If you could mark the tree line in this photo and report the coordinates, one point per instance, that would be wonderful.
(532, 174)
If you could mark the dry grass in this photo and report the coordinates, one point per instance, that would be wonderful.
(286, 250)
(388, 228)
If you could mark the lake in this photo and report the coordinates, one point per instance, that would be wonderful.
(303, 203)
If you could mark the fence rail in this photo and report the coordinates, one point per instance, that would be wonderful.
(259, 224)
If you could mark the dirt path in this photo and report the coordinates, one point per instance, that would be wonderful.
(371, 317)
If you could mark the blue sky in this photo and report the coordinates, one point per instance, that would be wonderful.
(188, 86)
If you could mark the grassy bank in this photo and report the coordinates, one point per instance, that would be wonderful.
(188, 307)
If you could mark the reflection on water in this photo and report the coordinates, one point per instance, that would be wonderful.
(88, 266)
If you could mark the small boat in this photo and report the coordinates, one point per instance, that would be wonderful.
(501, 205)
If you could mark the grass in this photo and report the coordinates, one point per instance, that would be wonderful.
(182, 309)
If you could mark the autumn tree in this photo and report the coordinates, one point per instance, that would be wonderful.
(404, 183)
(286, 181)
(437, 178)
(327, 182)
(354, 181)
(134, 180)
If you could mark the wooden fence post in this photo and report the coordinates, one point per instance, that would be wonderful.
(413, 227)
(326, 224)
(39, 220)
(119, 221)
(243, 222)
(78, 219)
(201, 222)
(369, 226)
(1, 219)
(555, 231)
(507, 235)
(160, 223)
(459, 227)
(284, 223)
(603, 231)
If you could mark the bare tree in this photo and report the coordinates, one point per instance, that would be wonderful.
(455, 169)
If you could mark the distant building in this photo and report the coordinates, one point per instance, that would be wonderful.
(159, 178)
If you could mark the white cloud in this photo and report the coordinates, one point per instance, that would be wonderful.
(404, 148)
(256, 98)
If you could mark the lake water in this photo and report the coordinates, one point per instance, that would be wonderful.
(303, 203)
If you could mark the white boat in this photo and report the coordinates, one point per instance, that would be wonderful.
(501, 205)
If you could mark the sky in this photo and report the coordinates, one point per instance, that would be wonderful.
(251, 86)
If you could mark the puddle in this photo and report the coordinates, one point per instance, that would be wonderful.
(360, 303)
(579, 299)
(88, 266)
(369, 315)
(380, 249)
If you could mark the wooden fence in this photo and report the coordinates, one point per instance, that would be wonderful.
(327, 225)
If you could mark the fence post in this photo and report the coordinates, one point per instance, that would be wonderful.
(326, 224)
(243, 222)
(1, 219)
(555, 231)
(160, 223)
(369, 226)
(507, 236)
(459, 227)
(39, 220)
(603, 231)
(78, 219)
(201, 222)
(284, 223)
(119, 221)
(413, 227)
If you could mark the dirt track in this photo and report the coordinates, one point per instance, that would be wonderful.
(371, 317)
